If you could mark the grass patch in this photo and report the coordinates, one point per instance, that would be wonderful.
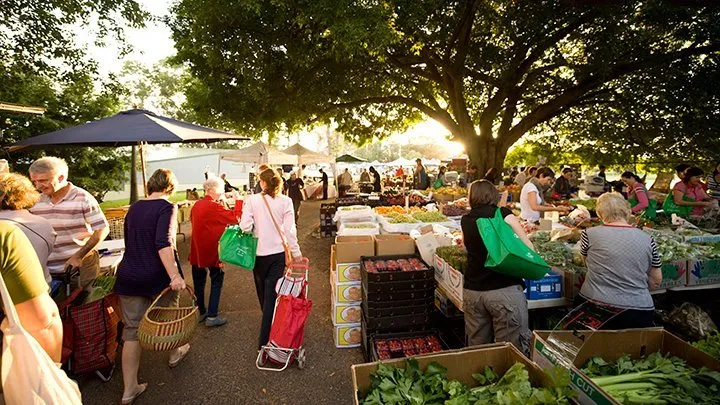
(179, 196)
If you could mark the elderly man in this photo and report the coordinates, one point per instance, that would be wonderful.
(74, 214)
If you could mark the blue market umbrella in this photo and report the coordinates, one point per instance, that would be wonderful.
(128, 128)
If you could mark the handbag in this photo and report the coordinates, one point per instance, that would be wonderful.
(507, 254)
(237, 247)
(288, 255)
(29, 376)
(670, 207)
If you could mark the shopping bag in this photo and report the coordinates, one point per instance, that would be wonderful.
(288, 326)
(237, 247)
(29, 376)
(670, 207)
(650, 211)
(507, 254)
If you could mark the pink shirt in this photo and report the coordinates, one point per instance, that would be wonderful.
(693, 192)
(638, 191)
(256, 218)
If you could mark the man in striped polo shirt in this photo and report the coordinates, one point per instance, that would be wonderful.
(75, 216)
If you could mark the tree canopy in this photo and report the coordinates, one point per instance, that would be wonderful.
(489, 71)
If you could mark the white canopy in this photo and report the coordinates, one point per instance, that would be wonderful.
(401, 162)
(302, 155)
(258, 153)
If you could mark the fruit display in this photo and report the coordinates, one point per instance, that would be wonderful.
(395, 218)
(672, 247)
(396, 348)
(380, 266)
(429, 216)
(454, 210)
(462, 202)
(399, 199)
(360, 226)
(395, 209)
(455, 256)
(451, 191)
(342, 201)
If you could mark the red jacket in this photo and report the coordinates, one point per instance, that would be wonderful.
(209, 219)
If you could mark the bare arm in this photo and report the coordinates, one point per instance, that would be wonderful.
(518, 229)
(678, 198)
(97, 236)
(40, 317)
(654, 278)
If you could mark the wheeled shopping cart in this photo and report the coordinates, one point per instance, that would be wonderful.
(292, 308)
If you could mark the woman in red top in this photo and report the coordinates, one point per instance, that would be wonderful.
(689, 192)
(209, 217)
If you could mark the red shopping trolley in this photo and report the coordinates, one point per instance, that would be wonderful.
(292, 308)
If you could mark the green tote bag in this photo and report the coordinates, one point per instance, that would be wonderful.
(669, 207)
(507, 254)
(237, 247)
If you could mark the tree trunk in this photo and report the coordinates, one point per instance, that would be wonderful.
(133, 175)
(485, 153)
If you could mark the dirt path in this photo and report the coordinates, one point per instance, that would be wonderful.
(220, 367)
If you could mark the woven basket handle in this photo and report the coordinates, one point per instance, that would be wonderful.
(187, 288)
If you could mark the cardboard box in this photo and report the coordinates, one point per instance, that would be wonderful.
(703, 272)
(347, 336)
(445, 305)
(461, 364)
(450, 280)
(349, 249)
(345, 314)
(674, 274)
(611, 345)
(428, 243)
(550, 286)
(391, 245)
(345, 272)
(345, 293)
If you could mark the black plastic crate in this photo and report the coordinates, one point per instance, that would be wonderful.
(390, 298)
(400, 322)
(396, 286)
(395, 310)
(419, 302)
(385, 276)
(372, 349)
(367, 332)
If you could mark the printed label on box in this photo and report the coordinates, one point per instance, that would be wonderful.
(348, 293)
(703, 272)
(674, 274)
(345, 314)
(348, 335)
(348, 272)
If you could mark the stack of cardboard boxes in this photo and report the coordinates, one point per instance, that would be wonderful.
(346, 287)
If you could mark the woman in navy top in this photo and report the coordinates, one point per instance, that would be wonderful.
(149, 265)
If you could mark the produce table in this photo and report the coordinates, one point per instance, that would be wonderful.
(110, 259)
(314, 191)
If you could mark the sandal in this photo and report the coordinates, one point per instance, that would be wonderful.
(174, 361)
(129, 400)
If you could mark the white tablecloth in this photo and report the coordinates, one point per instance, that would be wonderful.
(311, 189)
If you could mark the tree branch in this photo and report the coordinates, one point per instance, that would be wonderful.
(462, 34)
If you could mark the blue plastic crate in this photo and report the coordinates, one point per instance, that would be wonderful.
(550, 286)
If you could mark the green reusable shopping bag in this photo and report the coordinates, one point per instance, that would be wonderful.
(669, 207)
(507, 254)
(438, 183)
(237, 247)
(650, 211)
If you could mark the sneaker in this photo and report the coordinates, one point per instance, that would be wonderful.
(179, 354)
(215, 321)
(202, 318)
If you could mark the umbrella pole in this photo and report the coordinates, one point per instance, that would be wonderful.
(142, 167)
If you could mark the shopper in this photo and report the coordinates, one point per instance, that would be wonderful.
(420, 176)
(623, 265)
(17, 194)
(690, 193)
(532, 196)
(562, 190)
(637, 193)
(324, 184)
(295, 192)
(148, 266)
(494, 304)
(680, 170)
(260, 214)
(601, 173)
(23, 277)
(209, 218)
(713, 183)
(440, 181)
(227, 186)
(87, 224)
(258, 187)
(376, 179)
(492, 175)
(523, 176)
(364, 176)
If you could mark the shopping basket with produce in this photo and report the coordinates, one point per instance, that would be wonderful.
(91, 326)
(292, 308)
(167, 328)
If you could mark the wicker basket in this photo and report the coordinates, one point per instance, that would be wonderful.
(164, 328)
(117, 228)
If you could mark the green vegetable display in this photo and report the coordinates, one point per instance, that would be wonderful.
(412, 386)
(429, 216)
(455, 256)
(672, 248)
(655, 379)
(557, 254)
(101, 287)
(710, 345)
(589, 203)
(395, 218)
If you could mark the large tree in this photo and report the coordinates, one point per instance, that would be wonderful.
(489, 71)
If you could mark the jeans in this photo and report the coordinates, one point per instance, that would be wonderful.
(296, 208)
(217, 276)
(268, 270)
(497, 316)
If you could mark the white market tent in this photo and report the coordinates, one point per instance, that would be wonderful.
(258, 153)
(302, 155)
(401, 162)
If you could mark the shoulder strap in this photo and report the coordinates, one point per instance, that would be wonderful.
(8, 306)
(277, 228)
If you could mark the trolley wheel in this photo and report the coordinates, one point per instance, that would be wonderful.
(301, 358)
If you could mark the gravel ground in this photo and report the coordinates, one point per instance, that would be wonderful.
(220, 367)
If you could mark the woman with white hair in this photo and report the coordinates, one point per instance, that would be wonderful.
(209, 217)
(623, 265)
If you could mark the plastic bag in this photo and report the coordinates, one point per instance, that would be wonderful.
(237, 247)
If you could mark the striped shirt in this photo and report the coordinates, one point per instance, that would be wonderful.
(713, 187)
(74, 219)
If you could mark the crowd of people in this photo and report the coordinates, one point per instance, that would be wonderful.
(50, 229)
